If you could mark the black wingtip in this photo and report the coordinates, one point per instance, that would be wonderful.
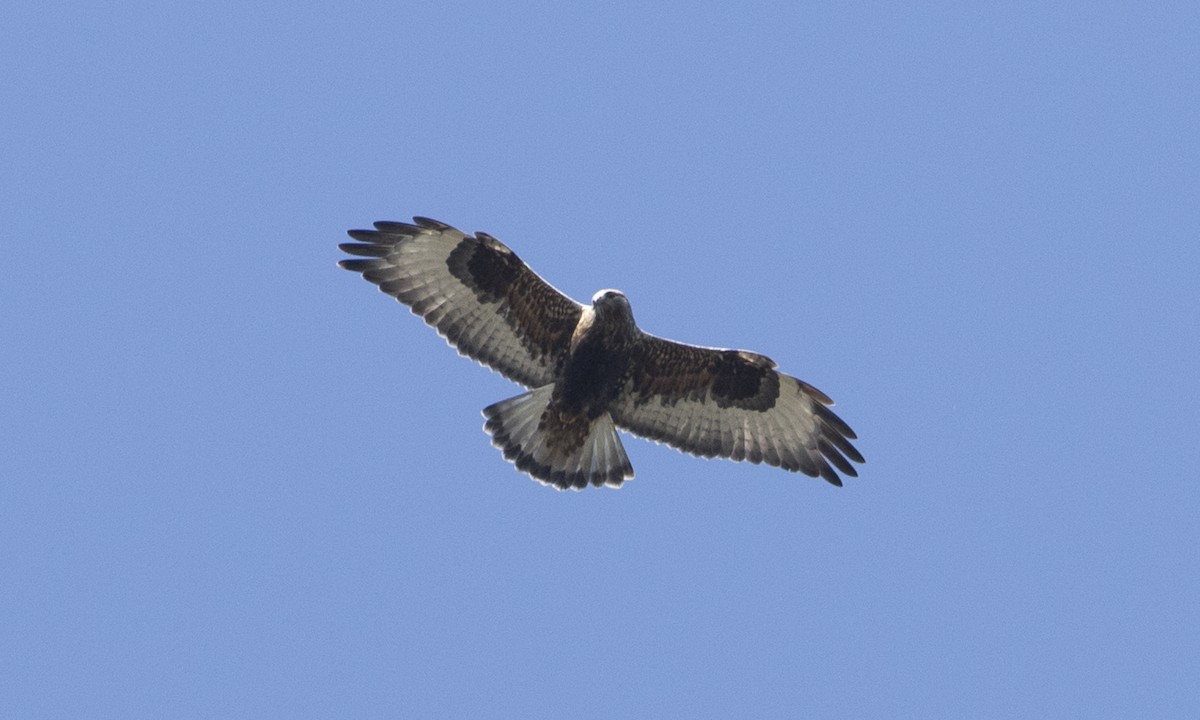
(831, 419)
(357, 265)
(390, 227)
(430, 223)
(365, 249)
(373, 237)
(830, 476)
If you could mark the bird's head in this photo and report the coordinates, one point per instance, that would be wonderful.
(612, 305)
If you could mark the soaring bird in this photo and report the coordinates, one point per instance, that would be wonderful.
(590, 370)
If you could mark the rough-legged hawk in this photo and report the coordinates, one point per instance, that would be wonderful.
(590, 370)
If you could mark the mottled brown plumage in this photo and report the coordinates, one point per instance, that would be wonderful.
(591, 370)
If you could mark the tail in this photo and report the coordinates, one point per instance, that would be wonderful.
(566, 451)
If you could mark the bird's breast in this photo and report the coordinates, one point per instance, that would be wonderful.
(593, 373)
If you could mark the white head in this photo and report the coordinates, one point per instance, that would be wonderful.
(612, 305)
(608, 294)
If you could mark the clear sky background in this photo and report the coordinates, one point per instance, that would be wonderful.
(240, 482)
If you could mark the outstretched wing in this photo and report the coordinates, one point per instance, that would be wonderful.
(479, 295)
(734, 404)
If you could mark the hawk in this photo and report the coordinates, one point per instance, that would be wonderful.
(591, 370)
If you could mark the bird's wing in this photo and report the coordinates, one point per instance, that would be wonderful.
(479, 295)
(734, 404)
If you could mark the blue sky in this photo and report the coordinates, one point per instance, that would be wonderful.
(239, 482)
